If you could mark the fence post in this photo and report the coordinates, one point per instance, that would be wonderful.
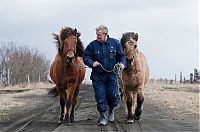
(39, 78)
(28, 79)
(195, 73)
(191, 78)
(175, 78)
(8, 76)
(1, 74)
(180, 77)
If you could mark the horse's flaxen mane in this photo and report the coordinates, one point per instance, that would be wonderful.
(64, 33)
(126, 37)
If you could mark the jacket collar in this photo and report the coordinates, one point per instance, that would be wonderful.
(106, 42)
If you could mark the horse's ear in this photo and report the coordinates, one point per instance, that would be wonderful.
(78, 34)
(75, 31)
(136, 37)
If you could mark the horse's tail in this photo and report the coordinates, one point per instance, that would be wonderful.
(53, 91)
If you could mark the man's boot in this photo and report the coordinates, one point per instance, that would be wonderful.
(103, 119)
(111, 115)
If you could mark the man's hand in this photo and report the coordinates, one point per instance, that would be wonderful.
(121, 66)
(95, 64)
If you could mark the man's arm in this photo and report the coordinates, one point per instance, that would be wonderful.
(88, 56)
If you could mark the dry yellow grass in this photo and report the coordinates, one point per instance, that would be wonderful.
(11, 99)
(178, 98)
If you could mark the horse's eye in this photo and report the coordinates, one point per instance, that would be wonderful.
(129, 42)
(135, 46)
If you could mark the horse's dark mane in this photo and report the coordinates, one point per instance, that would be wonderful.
(79, 48)
(126, 37)
(64, 33)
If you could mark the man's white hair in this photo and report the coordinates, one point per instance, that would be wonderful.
(102, 29)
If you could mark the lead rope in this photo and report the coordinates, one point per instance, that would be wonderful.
(116, 69)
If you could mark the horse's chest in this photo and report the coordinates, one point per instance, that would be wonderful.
(132, 78)
(71, 75)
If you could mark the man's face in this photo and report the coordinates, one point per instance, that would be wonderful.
(101, 36)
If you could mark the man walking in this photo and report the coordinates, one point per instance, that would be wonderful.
(101, 55)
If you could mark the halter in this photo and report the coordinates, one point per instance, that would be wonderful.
(130, 53)
(70, 50)
(129, 62)
(70, 59)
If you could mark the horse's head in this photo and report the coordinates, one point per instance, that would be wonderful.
(129, 43)
(67, 42)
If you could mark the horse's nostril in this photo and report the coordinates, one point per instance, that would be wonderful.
(128, 60)
(129, 57)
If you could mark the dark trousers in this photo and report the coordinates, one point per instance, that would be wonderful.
(106, 91)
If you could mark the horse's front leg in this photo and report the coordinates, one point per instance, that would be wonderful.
(62, 109)
(140, 101)
(130, 104)
(70, 94)
(74, 102)
(62, 103)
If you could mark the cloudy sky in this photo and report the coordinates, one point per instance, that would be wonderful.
(168, 29)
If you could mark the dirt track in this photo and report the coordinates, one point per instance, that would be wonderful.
(44, 116)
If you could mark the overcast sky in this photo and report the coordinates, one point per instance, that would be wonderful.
(168, 29)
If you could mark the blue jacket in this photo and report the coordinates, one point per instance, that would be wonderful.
(107, 54)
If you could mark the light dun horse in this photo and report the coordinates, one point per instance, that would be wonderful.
(68, 71)
(134, 77)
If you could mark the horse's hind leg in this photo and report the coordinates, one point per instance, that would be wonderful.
(74, 102)
(140, 101)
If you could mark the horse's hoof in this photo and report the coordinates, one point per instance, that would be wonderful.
(130, 121)
(67, 123)
(71, 121)
(136, 117)
(60, 122)
(129, 117)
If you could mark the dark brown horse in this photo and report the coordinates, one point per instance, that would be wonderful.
(134, 77)
(68, 70)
